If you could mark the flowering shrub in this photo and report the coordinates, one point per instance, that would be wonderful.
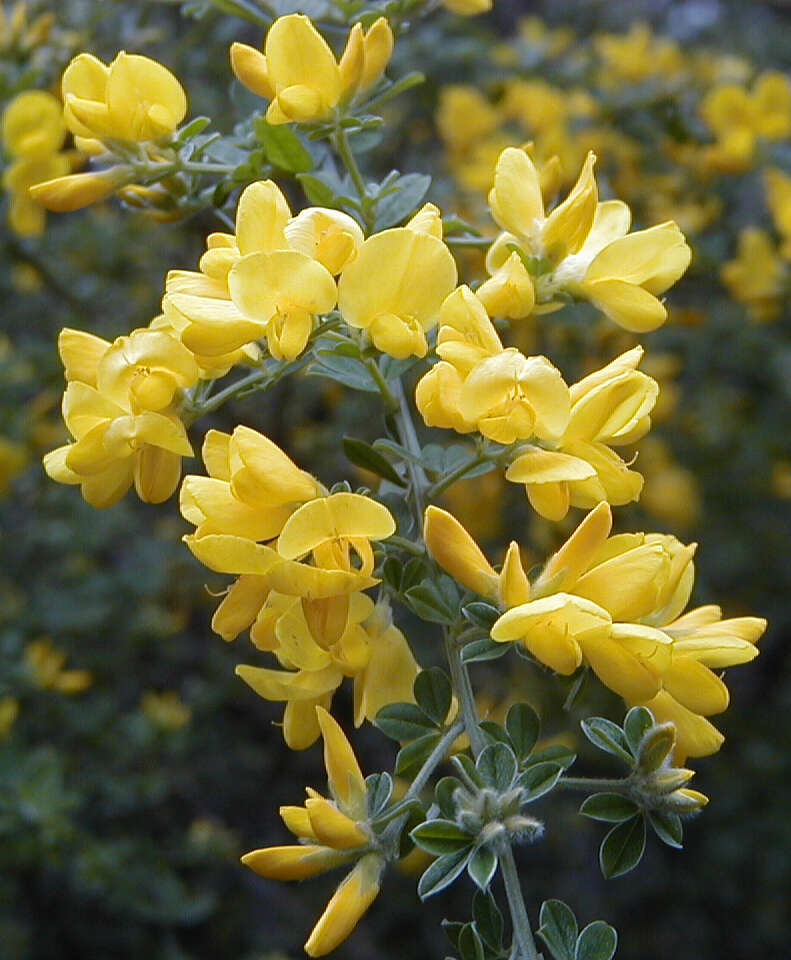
(324, 269)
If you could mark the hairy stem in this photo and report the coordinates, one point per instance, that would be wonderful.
(409, 438)
(461, 683)
(524, 947)
(591, 784)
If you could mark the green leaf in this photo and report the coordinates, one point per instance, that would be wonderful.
(668, 827)
(414, 754)
(496, 764)
(192, 129)
(622, 848)
(433, 693)
(403, 722)
(558, 929)
(440, 837)
(482, 866)
(470, 945)
(452, 929)
(345, 370)
(481, 614)
(282, 146)
(538, 780)
(523, 728)
(379, 788)
(442, 872)
(607, 736)
(392, 572)
(363, 455)
(428, 603)
(466, 766)
(484, 649)
(319, 193)
(414, 572)
(609, 807)
(556, 754)
(488, 920)
(597, 942)
(403, 201)
(443, 794)
(495, 732)
(638, 720)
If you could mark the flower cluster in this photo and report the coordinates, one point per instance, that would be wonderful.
(615, 604)
(302, 557)
(33, 135)
(563, 435)
(332, 833)
(121, 407)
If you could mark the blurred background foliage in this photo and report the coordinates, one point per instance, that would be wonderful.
(134, 767)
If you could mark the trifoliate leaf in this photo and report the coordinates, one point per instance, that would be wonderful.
(379, 788)
(440, 837)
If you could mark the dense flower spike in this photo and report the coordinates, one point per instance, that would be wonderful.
(332, 832)
(298, 71)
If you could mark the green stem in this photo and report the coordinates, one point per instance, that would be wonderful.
(463, 687)
(435, 489)
(481, 243)
(409, 545)
(341, 143)
(409, 438)
(591, 784)
(190, 166)
(430, 764)
(391, 402)
(524, 947)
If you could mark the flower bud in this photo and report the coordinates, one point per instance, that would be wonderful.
(78, 190)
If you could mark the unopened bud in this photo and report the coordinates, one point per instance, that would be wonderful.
(524, 829)
(655, 746)
(78, 190)
(686, 801)
(667, 781)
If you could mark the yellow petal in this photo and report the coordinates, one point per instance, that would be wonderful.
(223, 513)
(513, 586)
(157, 474)
(144, 99)
(695, 686)
(78, 189)
(619, 669)
(457, 553)
(547, 466)
(80, 353)
(297, 54)
(340, 515)
(229, 554)
(262, 473)
(388, 676)
(292, 863)
(240, 606)
(627, 585)
(345, 778)
(577, 553)
(695, 736)
(333, 828)
(283, 685)
(510, 291)
(263, 284)
(626, 304)
(569, 224)
(261, 216)
(249, 68)
(515, 199)
(349, 902)
(653, 259)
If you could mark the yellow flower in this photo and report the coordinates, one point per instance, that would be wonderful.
(778, 197)
(608, 408)
(757, 277)
(394, 288)
(33, 125)
(464, 117)
(13, 460)
(328, 236)
(64, 194)
(636, 55)
(165, 710)
(332, 832)
(26, 217)
(298, 71)
(468, 8)
(134, 98)
(460, 556)
(9, 711)
(45, 663)
(253, 284)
